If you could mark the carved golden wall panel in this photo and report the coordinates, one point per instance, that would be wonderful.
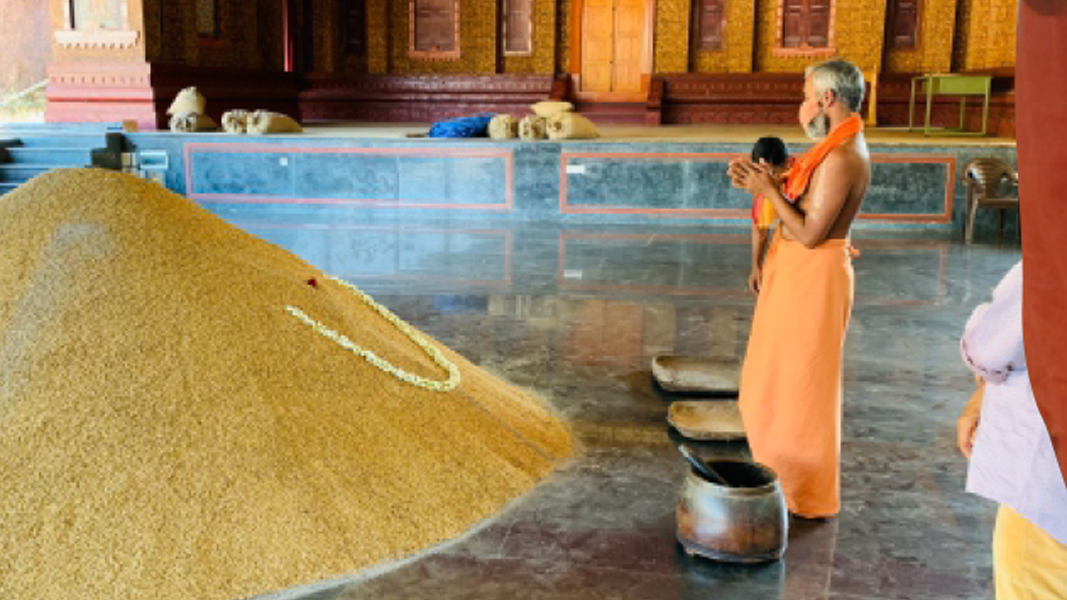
(987, 35)
(859, 34)
(673, 29)
(982, 38)
(672, 36)
(563, 41)
(740, 32)
(152, 11)
(377, 41)
(543, 59)
(477, 40)
(323, 36)
(959, 43)
(237, 45)
(171, 47)
(978, 30)
(1001, 42)
(936, 32)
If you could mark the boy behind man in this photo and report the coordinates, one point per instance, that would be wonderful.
(767, 151)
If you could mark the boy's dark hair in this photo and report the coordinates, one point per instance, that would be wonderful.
(771, 149)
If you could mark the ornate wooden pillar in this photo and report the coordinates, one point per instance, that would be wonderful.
(99, 70)
(120, 60)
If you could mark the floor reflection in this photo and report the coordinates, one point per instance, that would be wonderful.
(578, 314)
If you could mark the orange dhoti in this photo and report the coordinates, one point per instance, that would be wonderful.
(791, 379)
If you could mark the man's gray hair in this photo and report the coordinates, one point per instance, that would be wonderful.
(842, 78)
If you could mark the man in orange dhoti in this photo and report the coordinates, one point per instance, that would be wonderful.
(791, 379)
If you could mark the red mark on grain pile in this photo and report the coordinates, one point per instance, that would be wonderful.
(313, 283)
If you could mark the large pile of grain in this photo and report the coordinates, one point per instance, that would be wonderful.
(169, 431)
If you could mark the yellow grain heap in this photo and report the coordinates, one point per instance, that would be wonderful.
(168, 431)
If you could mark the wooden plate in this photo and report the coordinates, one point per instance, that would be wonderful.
(707, 420)
(696, 374)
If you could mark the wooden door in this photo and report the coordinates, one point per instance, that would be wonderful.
(598, 30)
(629, 44)
(614, 43)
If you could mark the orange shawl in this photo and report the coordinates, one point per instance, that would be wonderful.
(798, 178)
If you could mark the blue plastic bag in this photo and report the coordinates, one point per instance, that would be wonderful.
(463, 127)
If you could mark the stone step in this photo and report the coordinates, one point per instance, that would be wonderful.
(614, 118)
(60, 157)
(613, 113)
(86, 141)
(99, 128)
(12, 173)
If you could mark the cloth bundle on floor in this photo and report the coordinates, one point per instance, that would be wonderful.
(235, 121)
(532, 127)
(188, 101)
(187, 113)
(570, 126)
(259, 122)
(463, 127)
(549, 108)
(504, 127)
(192, 123)
(171, 430)
(266, 122)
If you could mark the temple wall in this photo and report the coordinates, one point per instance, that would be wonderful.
(985, 36)
(933, 53)
(163, 49)
(543, 58)
(954, 34)
(858, 31)
(673, 43)
(478, 38)
(240, 43)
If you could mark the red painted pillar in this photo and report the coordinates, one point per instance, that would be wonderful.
(1041, 128)
(289, 34)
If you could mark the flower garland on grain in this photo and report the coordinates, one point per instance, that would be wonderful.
(379, 362)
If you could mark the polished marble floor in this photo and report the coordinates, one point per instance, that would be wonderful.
(577, 314)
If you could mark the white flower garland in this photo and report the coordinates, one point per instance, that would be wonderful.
(435, 354)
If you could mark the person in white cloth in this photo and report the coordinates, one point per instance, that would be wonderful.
(1011, 457)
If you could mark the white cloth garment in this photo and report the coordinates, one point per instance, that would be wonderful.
(1013, 462)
